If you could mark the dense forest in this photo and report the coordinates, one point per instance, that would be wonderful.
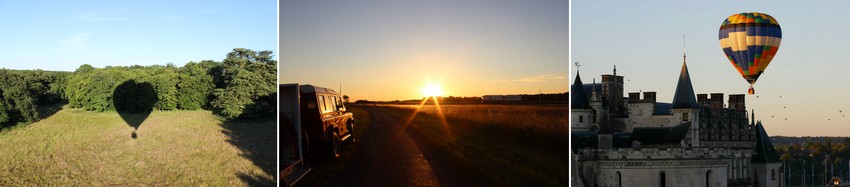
(243, 85)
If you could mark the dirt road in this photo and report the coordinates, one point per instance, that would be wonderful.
(392, 155)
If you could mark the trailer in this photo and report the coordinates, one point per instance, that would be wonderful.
(292, 136)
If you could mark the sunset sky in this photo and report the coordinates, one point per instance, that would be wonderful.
(62, 35)
(807, 81)
(388, 50)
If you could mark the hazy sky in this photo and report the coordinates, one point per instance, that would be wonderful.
(62, 35)
(810, 71)
(387, 50)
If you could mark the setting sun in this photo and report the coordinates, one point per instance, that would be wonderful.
(432, 90)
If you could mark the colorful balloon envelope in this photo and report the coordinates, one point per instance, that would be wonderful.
(750, 41)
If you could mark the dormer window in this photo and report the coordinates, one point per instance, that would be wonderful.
(685, 116)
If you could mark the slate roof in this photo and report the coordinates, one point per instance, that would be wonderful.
(578, 97)
(684, 97)
(765, 152)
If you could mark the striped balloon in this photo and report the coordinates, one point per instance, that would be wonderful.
(750, 41)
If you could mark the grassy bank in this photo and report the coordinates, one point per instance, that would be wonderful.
(323, 172)
(172, 148)
(497, 145)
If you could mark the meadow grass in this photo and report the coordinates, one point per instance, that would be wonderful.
(172, 148)
(501, 145)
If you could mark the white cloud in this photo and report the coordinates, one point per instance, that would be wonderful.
(75, 41)
(537, 78)
(97, 17)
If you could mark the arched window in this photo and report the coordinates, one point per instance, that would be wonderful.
(662, 179)
(708, 178)
(619, 179)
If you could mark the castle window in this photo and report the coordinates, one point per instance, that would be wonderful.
(773, 174)
(662, 179)
(708, 178)
(594, 116)
(685, 116)
(581, 119)
(619, 179)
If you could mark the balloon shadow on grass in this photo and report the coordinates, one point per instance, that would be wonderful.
(134, 102)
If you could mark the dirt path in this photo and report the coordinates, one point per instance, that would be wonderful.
(392, 155)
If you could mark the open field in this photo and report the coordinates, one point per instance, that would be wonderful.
(172, 148)
(496, 144)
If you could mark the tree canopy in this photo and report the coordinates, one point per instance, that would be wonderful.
(242, 85)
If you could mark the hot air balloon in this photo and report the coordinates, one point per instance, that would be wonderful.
(750, 41)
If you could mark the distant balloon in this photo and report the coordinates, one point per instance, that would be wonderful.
(750, 41)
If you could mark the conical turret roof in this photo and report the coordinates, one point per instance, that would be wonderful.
(577, 96)
(684, 97)
(765, 152)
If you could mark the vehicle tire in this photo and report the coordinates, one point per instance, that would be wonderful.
(351, 132)
(335, 147)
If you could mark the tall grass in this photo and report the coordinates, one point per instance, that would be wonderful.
(534, 118)
(497, 144)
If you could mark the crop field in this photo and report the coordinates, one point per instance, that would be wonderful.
(535, 119)
(497, 144)
(170, 148)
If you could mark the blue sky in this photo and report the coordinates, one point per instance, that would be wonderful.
(62, 35)
(390, 49)
(644, 40)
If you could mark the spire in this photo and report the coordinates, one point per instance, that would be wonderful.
(615, 70)
(578, 97)
(684, 56)
(765, 152)
(753, 117)
(593, 94)
(684, 97)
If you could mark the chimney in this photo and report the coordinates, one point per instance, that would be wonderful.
(716, 100)
(634, 97)
(737, 101)
(649, 97)
(702, 99)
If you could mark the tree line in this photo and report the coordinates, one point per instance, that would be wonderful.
(242, 85)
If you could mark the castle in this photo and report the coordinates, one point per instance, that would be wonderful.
(692, 141)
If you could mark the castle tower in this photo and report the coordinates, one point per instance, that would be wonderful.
(580, 111)
(685, 107)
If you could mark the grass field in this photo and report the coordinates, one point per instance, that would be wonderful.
(501, 145)
(172, 148)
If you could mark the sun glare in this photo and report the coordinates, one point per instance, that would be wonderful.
(432, 90)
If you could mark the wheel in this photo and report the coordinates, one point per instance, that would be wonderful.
(351, 132)
(335, 147)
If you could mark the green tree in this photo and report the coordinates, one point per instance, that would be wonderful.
(195, 85)
(249, 80)
(18, 103)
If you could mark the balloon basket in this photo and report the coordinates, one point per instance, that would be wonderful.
(751, 91)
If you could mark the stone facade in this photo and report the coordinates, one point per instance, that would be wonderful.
(717, 149)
